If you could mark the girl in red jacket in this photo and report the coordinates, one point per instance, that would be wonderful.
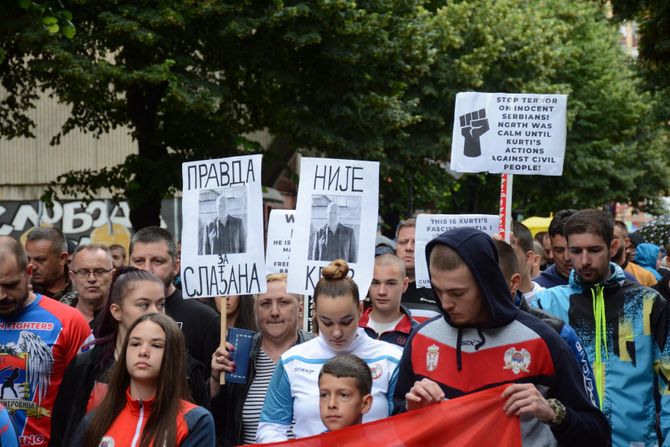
(146, 401)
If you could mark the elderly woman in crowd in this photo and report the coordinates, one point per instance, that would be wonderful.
(237, 407)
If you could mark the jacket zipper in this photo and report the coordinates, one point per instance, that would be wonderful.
(138, 428)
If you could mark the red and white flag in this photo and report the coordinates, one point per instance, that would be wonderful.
(473, 420)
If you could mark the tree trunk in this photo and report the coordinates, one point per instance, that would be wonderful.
(146, 191)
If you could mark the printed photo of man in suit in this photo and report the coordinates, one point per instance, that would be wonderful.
(225, 234)
(333, 240)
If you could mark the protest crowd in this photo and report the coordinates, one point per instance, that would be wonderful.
(97, 353)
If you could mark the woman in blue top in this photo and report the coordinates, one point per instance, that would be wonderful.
(293, 394)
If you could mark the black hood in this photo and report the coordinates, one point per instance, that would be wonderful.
(480, 255)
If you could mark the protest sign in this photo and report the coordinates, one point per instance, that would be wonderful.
(222, 236)
(280, 234)
(509, 133)
(429, 226)
(336, 218)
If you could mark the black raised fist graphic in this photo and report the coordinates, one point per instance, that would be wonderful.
(473, 126)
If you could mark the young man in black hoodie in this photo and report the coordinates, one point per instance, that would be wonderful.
(482, 340)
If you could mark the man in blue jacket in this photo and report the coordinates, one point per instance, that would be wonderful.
(623, 327)
(483, 340)
(558, 273)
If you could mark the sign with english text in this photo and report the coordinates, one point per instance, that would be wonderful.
(513, 133)
(280, 236)
(429, 226)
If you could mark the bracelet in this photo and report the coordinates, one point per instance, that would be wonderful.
(559, 410)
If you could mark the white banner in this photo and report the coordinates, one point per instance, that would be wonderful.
(336, 218)
(280, 234)
(509, 133)
(222, 237)
(429, 226)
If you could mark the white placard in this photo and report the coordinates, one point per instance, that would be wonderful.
(336, 217)
(280, 234)
(509, 133)
(222, 237)
(429, 226)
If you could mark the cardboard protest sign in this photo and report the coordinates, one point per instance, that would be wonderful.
(222, 237)
(429, 226)
(336, 218)
(280, 234)
(509, 133)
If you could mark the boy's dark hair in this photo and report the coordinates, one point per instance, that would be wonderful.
(591, 221)
(444, 258)
(523, 236)
(557, 225)
(348, 365)
(507, 259)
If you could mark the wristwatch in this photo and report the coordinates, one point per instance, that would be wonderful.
(559, 410)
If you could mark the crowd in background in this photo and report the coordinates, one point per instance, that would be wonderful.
(98, 345)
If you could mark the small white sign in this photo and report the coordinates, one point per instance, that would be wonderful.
(280, 235)
(510, 133)
(336, 218)
(222, 238)
(429, 226)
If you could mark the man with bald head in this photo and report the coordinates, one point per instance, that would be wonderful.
(333, 240)
(225, 234)
(91, 272)
(38, 338)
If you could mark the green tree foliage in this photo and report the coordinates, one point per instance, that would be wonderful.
(614, 146)
(370, 80)
(191, 78)
(653, 20)
(22, 23)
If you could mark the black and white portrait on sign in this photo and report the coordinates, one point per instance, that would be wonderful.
(223, 221)
(222, 236)
(335, 228)
(330, 223)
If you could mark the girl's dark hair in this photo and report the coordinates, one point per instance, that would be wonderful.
(106, 327)
(334, 282)
(161, 428)
(122, 283)
(246, 313)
